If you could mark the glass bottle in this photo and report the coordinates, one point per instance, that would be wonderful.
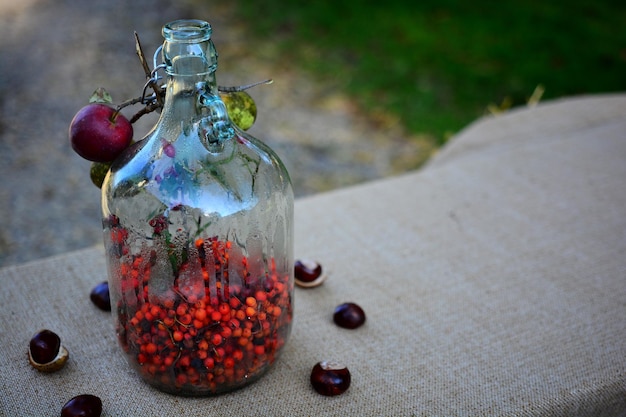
(198, 232)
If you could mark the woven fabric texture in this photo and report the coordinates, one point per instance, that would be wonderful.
(494, 283)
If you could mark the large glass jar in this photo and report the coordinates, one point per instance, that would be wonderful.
(198, 231)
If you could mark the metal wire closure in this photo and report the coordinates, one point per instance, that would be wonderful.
(152, 81)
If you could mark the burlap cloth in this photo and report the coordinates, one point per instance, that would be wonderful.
(494, 282)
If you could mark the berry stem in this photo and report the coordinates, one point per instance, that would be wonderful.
(146, 68)
(146, 110)
(243, 87)
(123, 104)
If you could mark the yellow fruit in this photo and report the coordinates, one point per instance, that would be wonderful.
(241, 108)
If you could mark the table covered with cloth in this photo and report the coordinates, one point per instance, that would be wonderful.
(493, 280)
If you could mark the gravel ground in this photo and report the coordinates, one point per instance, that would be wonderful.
(54, 53)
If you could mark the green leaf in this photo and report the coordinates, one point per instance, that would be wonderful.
(101, 96)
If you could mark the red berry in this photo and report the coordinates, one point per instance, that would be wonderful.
(98, 134)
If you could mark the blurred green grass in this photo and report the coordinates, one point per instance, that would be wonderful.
(437, 65)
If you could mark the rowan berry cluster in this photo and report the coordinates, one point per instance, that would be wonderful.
(219, 325)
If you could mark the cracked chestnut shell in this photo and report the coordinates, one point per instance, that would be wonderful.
(330, 378)
(45, 352)
(308, 273)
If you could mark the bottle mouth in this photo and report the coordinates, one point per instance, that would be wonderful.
(187, 31)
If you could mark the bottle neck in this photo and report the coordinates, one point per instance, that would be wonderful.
(193, 107)
(192, 102)
(183, 99)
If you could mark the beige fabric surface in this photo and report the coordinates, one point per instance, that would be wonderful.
(494, 283)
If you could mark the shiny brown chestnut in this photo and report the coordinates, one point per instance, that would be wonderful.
(330, 378)
(45, 352)
(100, 296)
(85, 405)
(349, 316)
(308, 273)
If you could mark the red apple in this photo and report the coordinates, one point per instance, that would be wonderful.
(98, 134)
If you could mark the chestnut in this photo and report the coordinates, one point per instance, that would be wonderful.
(349, 316)
(100, 296)
(84, 405)
(308, 273)
(45, 352)
(330, 378)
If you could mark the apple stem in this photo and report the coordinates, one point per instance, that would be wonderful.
(114, 115)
